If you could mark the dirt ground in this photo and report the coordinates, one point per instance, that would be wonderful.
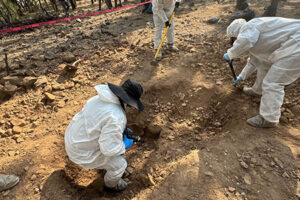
(205, 149)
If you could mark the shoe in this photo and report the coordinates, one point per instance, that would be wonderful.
(159, 55)
(172, 47)
(260, 122)
(121, 186)
(8, 181)
(249, 91)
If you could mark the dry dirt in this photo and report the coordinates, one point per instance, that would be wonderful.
(205, 149)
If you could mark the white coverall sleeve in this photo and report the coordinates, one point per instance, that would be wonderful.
(111, 138)
(248, 69)
(246, 39)
(158, 8)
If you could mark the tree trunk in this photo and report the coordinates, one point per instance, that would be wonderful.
(241, 4)
(43, 9)
(8, 12)
(272, 9)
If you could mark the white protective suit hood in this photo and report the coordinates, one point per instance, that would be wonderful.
(234, 28)
(106, 95)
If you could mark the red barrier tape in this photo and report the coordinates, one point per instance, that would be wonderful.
(68, 18)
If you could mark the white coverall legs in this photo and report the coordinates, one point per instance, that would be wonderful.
(254, 64)
(159, 27)
(115, 169)
(283, 72)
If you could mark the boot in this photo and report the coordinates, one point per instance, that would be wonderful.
(122, 185)
(8, 181)
(172, 47)
(259, 122)
(159, 55)
(249, 91)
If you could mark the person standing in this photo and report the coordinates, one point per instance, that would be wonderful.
(162, 11)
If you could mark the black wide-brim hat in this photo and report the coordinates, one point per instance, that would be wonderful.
(129, 92)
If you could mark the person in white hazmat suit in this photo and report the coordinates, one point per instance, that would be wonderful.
(8, 181)
(274, 47)
(94, 137)
(162, 11)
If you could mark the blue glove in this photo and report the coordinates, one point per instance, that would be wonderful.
(226, 57)
(238, 79)
(128, 142)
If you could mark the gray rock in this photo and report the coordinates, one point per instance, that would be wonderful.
(29, 81)
(14, 80)
(42, 80)
(68, 57)
(244, 165)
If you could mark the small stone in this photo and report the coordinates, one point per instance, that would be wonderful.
(19, 140)
(217, 124)
(231, 189)
(171, 137)
(9, 89)
(36, 190)
(208, 173)
(272, 164)
(219, 82)
(285, 175)
(2, 132)
(130, 170)
(247, 179)
(244, 165)
(253, 160)
(61, 104)
(18, 122)
(17, 129)
(49, 96)
(34, 124)
(78, 20)
(278, 162)
(48, 88)
(33, 177)
(68, 57)
(57, 86)
(14, 80)
(151, 180)
(11, 153)
(29, 81)
(42, 80)
(183, 105)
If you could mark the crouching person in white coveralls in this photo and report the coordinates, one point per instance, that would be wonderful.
(94, 139)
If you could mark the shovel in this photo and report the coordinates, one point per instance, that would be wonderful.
(232, 70)
(155, 61)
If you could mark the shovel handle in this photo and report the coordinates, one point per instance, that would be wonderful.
(232, 69)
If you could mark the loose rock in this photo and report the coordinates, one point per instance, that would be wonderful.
(247, 179)
(49, 96)
(231, 189)
(41, 81)
(68, 57)
(29, 81)
(244, 165)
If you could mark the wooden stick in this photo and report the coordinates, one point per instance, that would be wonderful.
(6, 64)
